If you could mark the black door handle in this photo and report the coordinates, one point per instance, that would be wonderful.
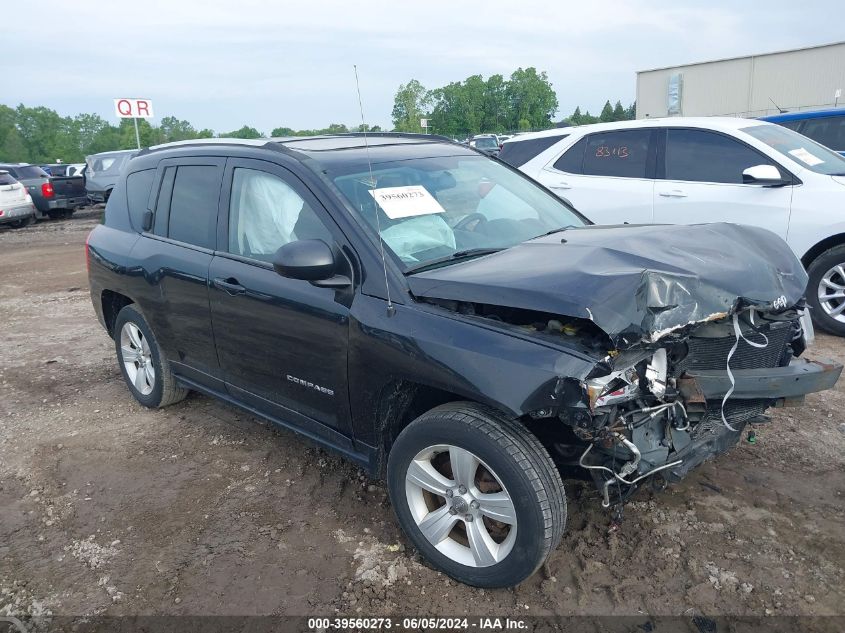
(230, 285)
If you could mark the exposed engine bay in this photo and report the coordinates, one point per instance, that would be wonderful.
(649, 416)
(657, 410)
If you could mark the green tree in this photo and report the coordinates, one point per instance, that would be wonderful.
(244, 132)
(173, 129)
(631, 112)
(619, 112)
(606, 115)
(411, 103)
(531, 98)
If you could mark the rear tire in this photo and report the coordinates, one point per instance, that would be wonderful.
(145, 370)
(454, 469)
(826, 290)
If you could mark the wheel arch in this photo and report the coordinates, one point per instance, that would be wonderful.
(819, 248)
(403, 401)
(112, 303)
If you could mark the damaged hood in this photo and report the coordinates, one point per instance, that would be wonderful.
(634, 282)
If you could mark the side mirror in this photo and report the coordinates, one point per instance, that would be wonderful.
(765, 175)
(309, 260)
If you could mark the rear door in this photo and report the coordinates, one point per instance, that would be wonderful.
(282, 343)
(174, 255)
(701, 181)
(608, 176)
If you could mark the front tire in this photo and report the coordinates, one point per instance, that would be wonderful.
(826, 290)
(477, 494)
(145, 370)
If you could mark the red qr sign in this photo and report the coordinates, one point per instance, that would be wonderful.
(133, 108)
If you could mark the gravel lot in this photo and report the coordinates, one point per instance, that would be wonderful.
(109, 508)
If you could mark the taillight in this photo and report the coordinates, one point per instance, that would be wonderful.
(47, 190)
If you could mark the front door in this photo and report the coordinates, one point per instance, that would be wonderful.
(703, 183)
(281, 343)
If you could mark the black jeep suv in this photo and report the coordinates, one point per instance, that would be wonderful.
(447, 323)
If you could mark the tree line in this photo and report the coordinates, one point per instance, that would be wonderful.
(525, 101)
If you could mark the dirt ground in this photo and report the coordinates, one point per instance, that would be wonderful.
(109, 508)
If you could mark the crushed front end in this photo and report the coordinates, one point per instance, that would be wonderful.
(663, 408)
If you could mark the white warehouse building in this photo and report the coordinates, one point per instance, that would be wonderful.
(800, 79)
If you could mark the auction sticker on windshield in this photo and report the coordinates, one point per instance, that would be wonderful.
(406, 202)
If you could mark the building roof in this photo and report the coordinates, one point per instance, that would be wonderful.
(727, 59)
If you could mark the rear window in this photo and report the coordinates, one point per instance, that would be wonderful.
(486, 143)
(517, 153)
(107, 163)
(6, 179)
(138, 185)
(30, 171)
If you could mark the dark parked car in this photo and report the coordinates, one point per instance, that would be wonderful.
(447, 323)
(53, 196)
(102, 172)
(823, 126)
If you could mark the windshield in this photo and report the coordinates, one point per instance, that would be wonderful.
(799, 148)
(431, 208)
(486, 142)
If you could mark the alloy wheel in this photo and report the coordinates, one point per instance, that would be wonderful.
(831, 293)
(461, 506)
(137, 358)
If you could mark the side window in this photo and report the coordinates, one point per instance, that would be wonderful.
(702, 156)
(138, 185)
(517, 153)
(829, 131)
(193, 205)
(266, 213)
(162, 212)
(621, 153)
(572, 161)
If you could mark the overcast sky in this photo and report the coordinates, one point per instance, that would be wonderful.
(266, 64)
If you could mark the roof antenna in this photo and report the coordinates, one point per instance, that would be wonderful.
(780, 110)
(390, 309)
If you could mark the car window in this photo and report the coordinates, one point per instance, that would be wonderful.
(138, 185)
(6, 178)
(266, 213)
(162, 210)
(193, 205)
(792, 125)
(517, 153)
(829, 131)
(572, 161)
(799, 148)
(456, 203)
(29, 171)
(486, 142)
(704, 156)
(620, 153)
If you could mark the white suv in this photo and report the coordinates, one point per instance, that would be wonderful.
(691, 170)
